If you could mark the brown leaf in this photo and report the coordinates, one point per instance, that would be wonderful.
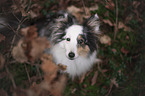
(79, 13)
(2, 37)
(38, 46)
(2, 61)
(113, 81)
(31, 47)
(20, 92)
(123, 50)
(110, 5)
(18, 53)
(114, 50)
(121, 25)
(94, 79)
(3, 74)
(3, 92)
(58, 87)
(82, 78)
(108, 22)
(136, 4)
(29, 32)
(105, 39)
(48, 67)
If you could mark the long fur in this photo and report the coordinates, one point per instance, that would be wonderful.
(82, 42)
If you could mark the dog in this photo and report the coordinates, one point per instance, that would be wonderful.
(72, 44)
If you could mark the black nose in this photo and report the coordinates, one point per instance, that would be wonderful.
(71, 54)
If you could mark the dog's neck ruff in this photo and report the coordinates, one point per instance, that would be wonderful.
(75, 67)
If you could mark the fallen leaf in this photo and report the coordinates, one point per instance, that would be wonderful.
(94, 79)
(18, 53)
(105, 39)
(2, 61)
(48, 67)
(31, 47)
(82, 78)
(94, 8)
(110, 5)
(59, 86)
(79, 13)
(38, 46)
(29, 32)
(123, 50)
(108, 22)
(135, 4)
(3, 92)
(113, 81)
(2, 75)
(2, 37)
(114, 50)
(121, 25)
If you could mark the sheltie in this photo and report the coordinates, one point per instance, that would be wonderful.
(72, 44)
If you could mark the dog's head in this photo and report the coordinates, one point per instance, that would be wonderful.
(76, 39)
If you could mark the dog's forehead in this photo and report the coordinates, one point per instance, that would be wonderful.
(74, 31)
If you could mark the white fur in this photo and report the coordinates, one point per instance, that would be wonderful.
(60, 51)
(75, 67)
(71, 46)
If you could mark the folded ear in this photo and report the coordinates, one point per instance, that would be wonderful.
(93, 23)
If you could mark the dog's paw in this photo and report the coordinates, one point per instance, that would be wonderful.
(62, 67)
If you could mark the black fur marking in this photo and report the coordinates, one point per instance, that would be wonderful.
(58, 31)
(91, 38)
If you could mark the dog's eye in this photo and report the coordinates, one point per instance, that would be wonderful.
(67, 39)
(81, 41)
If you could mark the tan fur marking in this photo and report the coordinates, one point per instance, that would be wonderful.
(83, 51)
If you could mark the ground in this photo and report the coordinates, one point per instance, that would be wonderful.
(121, 48)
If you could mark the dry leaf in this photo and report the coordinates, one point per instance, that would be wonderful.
(94, 8)
(105, 39)
(136, 4)
(123, 50)
(2, 37)
(108, 22)
(2, 61)
(3, 92)
(94, 79)
(31, 47)
(58, 87)
(82, 78)
(121, 25)
(29, 32)
(48, 67)
(18, 53)
(38, 46)
(113, 81)
(79, 13)
(110, 5)
(114, 50)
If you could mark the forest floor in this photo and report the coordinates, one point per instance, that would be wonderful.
(121, 72)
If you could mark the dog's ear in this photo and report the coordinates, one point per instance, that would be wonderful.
(70, 18)
(93, 23)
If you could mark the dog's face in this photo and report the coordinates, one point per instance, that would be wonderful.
(77, 40)
(72, 41)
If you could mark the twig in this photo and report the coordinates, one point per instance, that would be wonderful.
(116, 25)
(11, 77)
(29, 79)
(84, 7)
(39, 74)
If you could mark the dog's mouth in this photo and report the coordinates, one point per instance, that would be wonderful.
(71, 58)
